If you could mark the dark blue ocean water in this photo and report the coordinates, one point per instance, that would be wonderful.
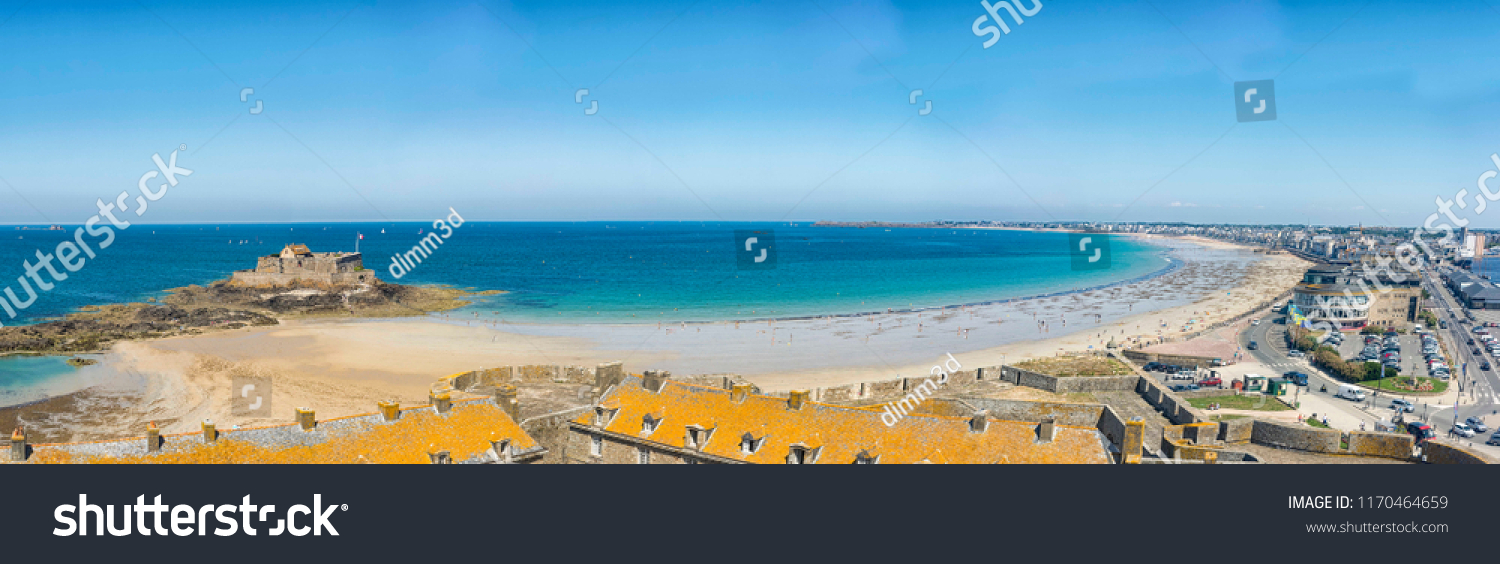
(599, 272)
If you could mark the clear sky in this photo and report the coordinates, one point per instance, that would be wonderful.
(1090, 110)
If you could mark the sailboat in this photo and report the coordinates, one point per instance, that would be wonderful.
(382, 230)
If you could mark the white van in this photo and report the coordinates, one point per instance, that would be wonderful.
(1351, 392)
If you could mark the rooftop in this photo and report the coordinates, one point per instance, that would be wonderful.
(843, 433)
(464, 431)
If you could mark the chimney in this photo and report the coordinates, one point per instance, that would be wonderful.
(505, 397)
(739, 392)
(606, 375)
(389, 410)
(18, 445)
(153, 437)
(796, 398)
(979, 422)
(210, 433)
(1135, 436)
(307, 418)
(652, 380)
(1046, 431)
(441, 402)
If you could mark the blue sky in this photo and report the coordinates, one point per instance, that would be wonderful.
(747, 110)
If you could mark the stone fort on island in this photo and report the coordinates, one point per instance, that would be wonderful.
(298, 263)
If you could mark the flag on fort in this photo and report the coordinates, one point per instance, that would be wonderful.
(361, 236)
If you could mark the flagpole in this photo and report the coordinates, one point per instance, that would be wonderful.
(356, 242)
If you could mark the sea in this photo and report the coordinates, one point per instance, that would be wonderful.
(593, 272)
(600, 272)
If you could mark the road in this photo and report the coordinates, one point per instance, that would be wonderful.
(1479, 397)
(1270, 336)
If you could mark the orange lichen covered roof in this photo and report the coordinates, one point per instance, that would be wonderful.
(297, 249)
(464, 433)
(842, 432)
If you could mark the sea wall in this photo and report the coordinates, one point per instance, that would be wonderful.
(1296, 437)
(1387, 445)
(1443, 452)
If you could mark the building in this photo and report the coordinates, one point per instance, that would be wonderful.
(1473, 291)
(653, 420)
(298, 263)
(1348, 299)
(476, 431)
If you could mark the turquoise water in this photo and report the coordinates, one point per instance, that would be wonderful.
(599, 272)
(30, 378)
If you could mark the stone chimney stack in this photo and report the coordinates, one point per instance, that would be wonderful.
(739, 393)
(307, 418)
(389, 410)
(153, 437)
(1046, 431)
(606, 375)
(1135, 436)
(441, 401)
(18, 445)
(437, 456)
(652, 380)
(797, 398)
(210, 432)
(979, 422)
(505, 397)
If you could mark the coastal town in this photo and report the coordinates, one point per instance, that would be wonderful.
(1306, 366)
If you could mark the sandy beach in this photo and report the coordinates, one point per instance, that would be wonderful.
(342, 367)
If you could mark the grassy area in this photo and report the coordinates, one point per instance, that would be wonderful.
(1077, 366)
(1402, 385)
(1227, 417)
(1258, 403)
(1316, 423)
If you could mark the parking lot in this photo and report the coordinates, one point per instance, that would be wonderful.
(1412, 362)
(1191, 376)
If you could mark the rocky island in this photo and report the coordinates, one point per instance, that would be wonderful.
(296, 283)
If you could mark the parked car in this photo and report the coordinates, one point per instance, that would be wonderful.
(1211, 381)
(1477, 424)
(1179, 388)
(1152, 366)
(1494, 439)
(1296, 354)
(1255, 321)
(1192, 387)
(1420, 431)
(1403, 406)
(1463, 430)
(1253, 346)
